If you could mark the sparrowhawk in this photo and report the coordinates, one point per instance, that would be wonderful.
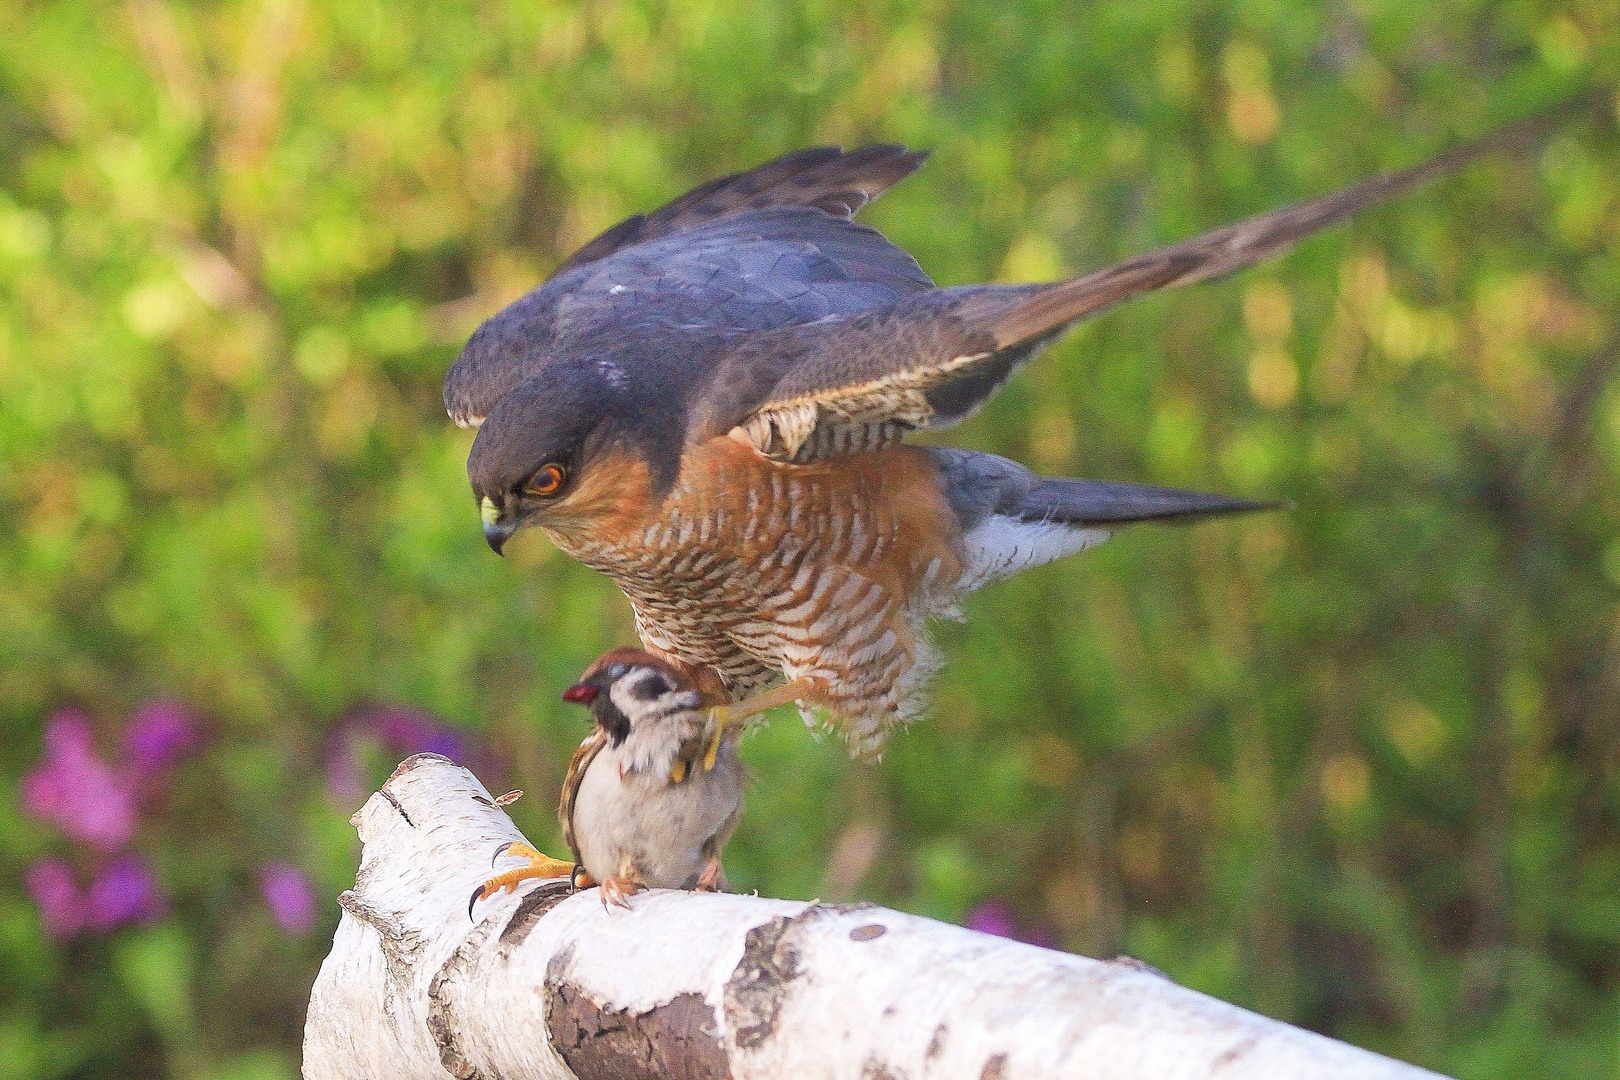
(708, 403)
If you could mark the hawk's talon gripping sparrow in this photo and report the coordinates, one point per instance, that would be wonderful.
(719, 723)
(707, 402)
(722, 718)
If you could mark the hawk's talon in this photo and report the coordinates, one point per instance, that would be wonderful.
(677, 771)
(539, 865)
(722, 718)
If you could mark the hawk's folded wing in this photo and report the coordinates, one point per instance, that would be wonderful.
(929, 360)
(754, 251)
(829, 178)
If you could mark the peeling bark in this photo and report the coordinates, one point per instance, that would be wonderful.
(668, 1042)
(547, 984)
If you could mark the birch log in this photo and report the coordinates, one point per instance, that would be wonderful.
(542, 983)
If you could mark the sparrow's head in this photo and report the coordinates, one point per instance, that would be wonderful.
(630, 691)
(572, 442)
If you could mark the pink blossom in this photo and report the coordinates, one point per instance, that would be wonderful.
(75, 790)
(63, 908)
(997, 917)
(397, 731)
(289, 896)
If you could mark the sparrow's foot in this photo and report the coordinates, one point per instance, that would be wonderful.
(618, 890)
(710, 879)
(540, 866)
(722, 718)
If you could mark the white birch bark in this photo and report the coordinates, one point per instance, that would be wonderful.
(542, 983)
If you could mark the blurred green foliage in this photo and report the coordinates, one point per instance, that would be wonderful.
(1353, 765)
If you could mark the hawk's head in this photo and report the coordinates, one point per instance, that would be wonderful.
(570, 443)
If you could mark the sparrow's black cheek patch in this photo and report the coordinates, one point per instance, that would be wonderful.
(649, 687)
(611, 719)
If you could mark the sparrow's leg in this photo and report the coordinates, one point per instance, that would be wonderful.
(618, 890)
(724, 717)
(540, 866)
(713, 878)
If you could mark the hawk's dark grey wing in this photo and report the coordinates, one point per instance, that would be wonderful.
(825, 177)
(749, 272)
(755, 251)
(931, 359)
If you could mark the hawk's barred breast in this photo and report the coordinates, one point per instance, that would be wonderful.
(758, 569)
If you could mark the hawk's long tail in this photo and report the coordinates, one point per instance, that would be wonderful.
(1013, 519)
(1019, 314)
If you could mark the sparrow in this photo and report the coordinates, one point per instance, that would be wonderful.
(635, 811)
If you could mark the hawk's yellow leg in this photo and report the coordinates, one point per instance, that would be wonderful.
(540, 866)
(724, 717)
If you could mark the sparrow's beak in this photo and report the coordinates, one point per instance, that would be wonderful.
(581, 693)
(496, 527)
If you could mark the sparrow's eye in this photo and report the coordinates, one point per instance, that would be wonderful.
(547, 481)
(616, 671)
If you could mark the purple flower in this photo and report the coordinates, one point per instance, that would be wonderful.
(993, 917)
(74, 789)
(997, 917)
(411, 732)
(160, 734)
(62, 907)
(343, 766)
(289, 896)
(126, 892)
(397, 732)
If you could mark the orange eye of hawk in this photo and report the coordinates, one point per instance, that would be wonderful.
(548, 481)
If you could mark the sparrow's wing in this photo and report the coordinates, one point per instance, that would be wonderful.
(580, 762)
(931, 359)
(756, 251)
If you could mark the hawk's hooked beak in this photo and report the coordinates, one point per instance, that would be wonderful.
(496, 529)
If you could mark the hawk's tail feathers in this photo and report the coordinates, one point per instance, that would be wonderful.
(1111, 503)
(1013, 520)
(1018, 314)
